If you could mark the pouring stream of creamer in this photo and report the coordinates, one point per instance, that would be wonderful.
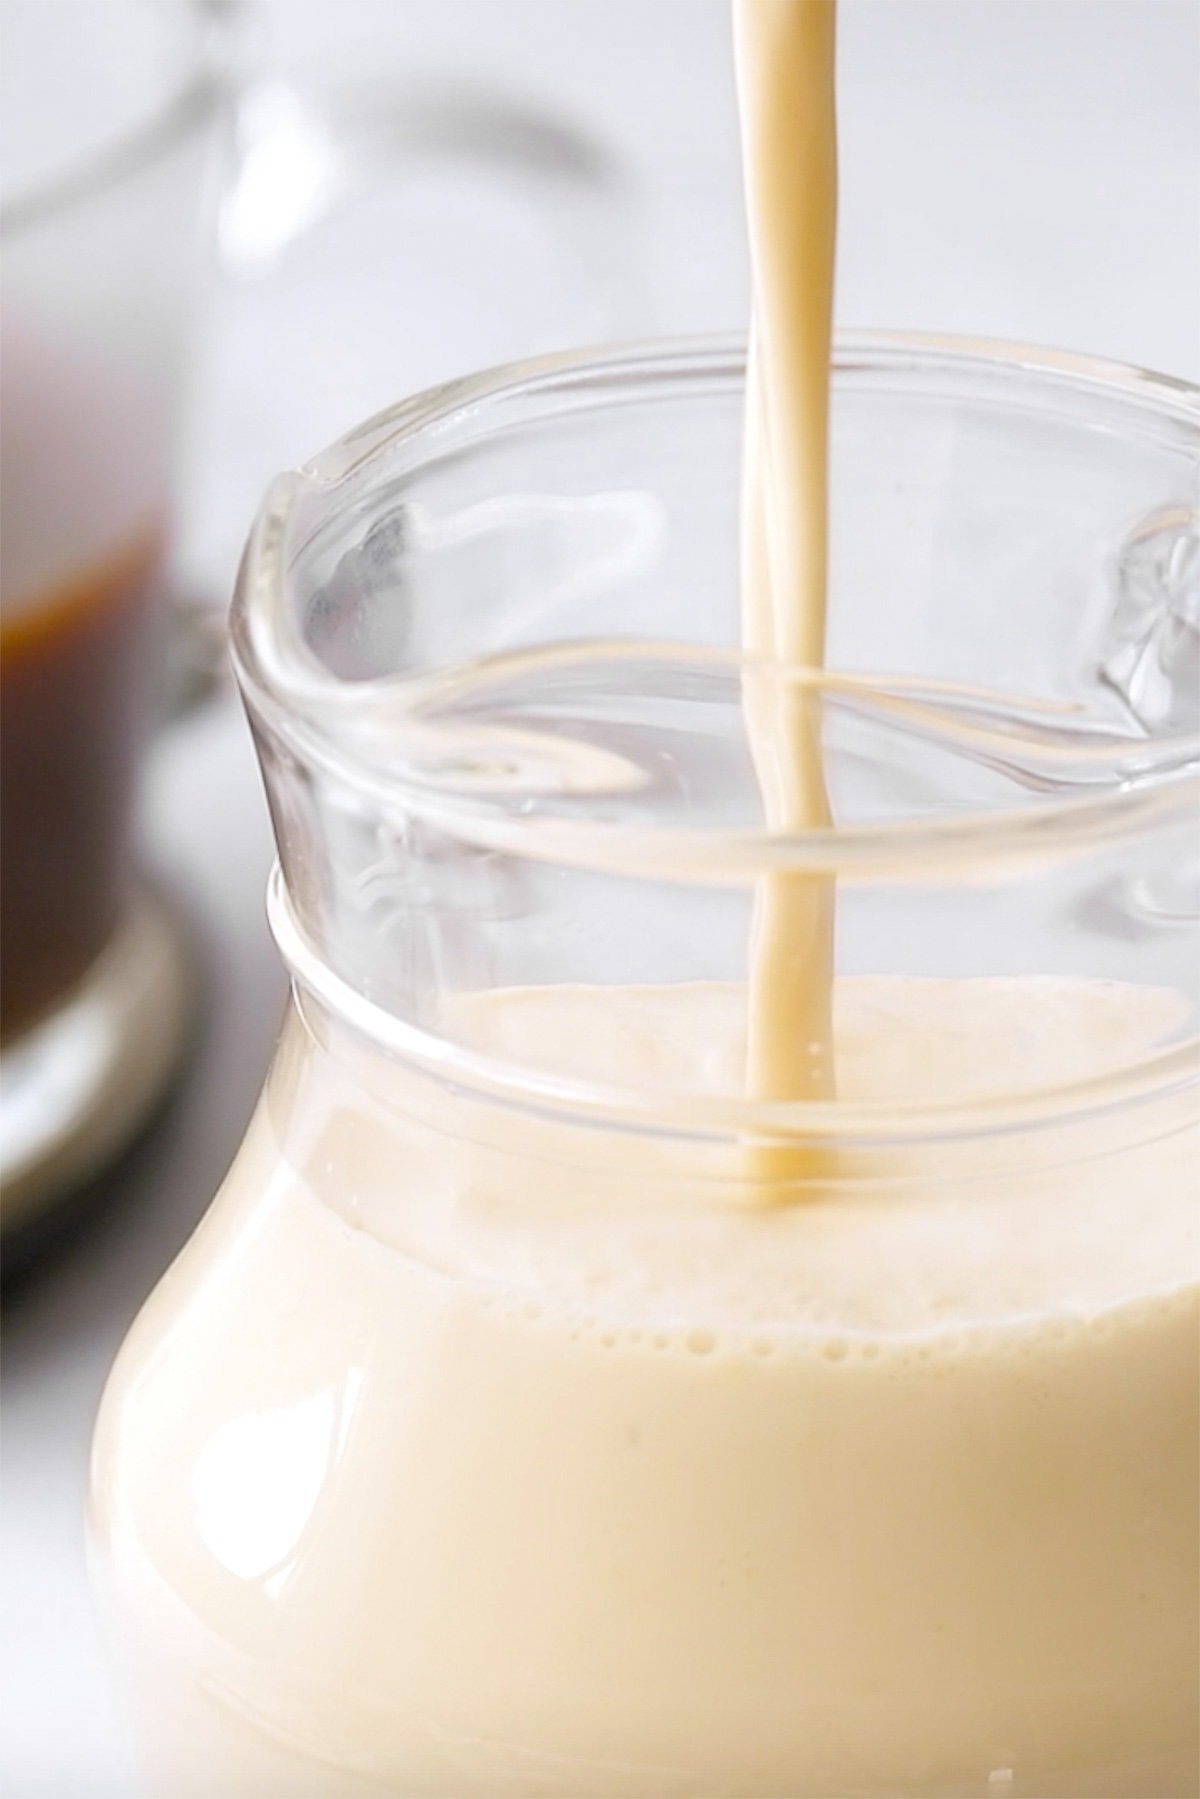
(785, 67)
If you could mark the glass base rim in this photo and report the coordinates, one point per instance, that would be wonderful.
(76, 1088)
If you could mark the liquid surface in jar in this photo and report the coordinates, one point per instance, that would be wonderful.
(585, 1477)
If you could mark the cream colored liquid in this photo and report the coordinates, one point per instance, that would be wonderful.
(550, 1467)
(785, 63)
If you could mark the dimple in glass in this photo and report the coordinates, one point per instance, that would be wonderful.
(500, 1431)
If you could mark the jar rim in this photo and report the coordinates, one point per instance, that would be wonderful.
(316, 713)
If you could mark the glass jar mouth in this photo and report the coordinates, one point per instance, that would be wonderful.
(186, 107)
(1101, 789)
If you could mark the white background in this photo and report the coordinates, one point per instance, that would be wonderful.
(1010, 168)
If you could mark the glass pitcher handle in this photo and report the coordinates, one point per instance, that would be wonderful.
(302, 152)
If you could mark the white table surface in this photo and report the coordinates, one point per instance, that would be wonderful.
(1010, 168)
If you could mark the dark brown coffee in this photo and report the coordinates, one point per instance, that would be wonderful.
(73, 670)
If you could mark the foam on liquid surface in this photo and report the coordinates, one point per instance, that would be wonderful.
(648, 1238)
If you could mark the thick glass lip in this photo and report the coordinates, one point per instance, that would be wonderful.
(186, 107)
(315, 713)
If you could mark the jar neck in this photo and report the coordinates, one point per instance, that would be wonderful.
(701, 1149)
